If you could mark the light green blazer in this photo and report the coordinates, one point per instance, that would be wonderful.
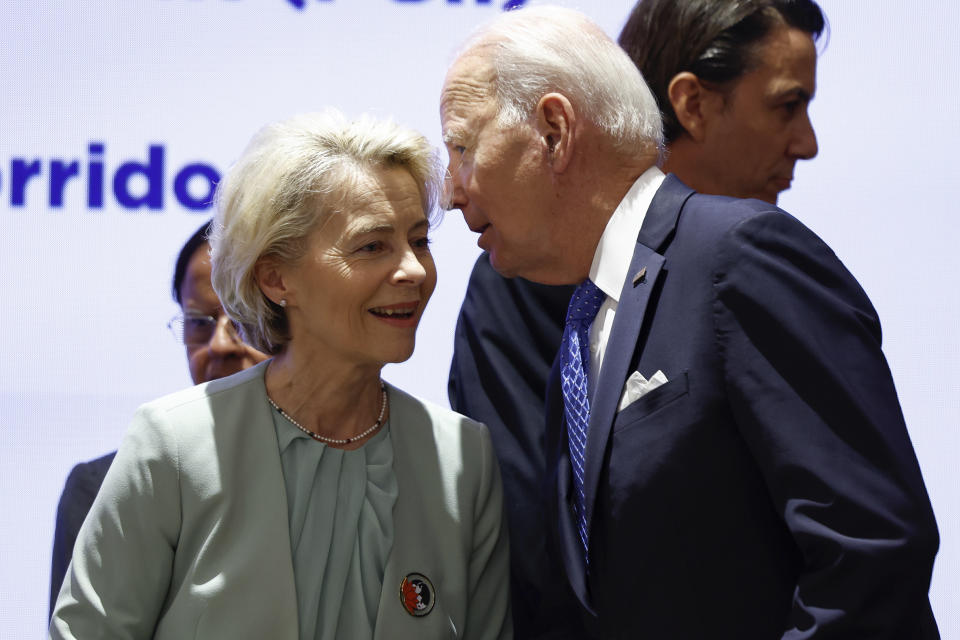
(189, 535)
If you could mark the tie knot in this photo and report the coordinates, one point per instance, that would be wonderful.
(585, 303)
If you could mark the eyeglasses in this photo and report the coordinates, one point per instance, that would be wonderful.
(194, 329)
(446, 194)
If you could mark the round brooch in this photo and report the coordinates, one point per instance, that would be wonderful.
(417, 594)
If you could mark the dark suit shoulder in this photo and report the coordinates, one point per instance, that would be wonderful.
(719, 214)
(506, 337)
(488, 291)
(92, 469)
(748, 220)
(742, 240)
(83, 483)
(79, 491)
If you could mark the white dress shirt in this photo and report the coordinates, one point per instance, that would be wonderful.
(611, 261)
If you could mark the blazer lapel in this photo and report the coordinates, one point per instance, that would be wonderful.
(645, 269)
(560, 509)
(623, 339)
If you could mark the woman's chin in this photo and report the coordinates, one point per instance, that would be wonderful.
(397, 359)
(401, 353)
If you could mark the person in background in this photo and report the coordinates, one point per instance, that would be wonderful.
(214, 349)
(305, 498)
(726, 454)
(735, 124)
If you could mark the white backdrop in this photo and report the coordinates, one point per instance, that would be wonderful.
(177, 87)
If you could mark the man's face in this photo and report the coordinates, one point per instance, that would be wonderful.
(212, 351)
(496, 174)
(752, 144)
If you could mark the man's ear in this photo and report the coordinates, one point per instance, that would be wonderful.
(693, 103)
(269, 277)
(556, 122)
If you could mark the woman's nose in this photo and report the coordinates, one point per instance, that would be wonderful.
(410, 270)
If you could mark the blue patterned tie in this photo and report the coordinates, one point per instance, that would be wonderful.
(574, 365)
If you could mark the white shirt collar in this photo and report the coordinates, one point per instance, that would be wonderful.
(611, 260)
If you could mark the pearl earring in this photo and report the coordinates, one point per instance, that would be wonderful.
(283, 302)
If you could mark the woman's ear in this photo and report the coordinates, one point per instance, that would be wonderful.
(269, 277)
(693, 103)
(556, 122)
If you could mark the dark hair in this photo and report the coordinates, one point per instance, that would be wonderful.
(197, 240)
(713, 39)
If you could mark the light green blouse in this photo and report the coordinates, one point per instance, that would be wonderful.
(340, 507)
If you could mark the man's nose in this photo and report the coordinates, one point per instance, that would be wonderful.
(804, 144)
(454, 196)
(225, 340)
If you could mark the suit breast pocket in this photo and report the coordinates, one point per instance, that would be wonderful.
(651, 402)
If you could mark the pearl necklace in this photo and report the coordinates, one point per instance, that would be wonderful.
(317, 436)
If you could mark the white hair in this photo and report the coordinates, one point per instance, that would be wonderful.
(538, 50)
(292, 176)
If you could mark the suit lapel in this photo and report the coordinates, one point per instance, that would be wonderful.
(658, 227)
(561, 509)
(633, 304)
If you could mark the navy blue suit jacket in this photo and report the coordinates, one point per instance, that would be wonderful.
(507, 335)
(81, 488)
(769, 489)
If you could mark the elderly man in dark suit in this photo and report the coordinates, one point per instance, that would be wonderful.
(214, 350)
(690, 52)
(726, 451)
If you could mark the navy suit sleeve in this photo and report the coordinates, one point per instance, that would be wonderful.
(80, 489)
(815, 401)
(506, 338)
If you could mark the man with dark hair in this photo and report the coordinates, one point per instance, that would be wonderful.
(733, 85)
(736, 77)
(214, 350)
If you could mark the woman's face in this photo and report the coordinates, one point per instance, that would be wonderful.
(357, 295)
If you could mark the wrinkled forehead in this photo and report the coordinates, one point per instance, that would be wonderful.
(197, 289)
(469, 85)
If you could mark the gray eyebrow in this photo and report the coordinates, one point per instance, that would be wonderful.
(385, 228)
(374, 227)
(452, 134)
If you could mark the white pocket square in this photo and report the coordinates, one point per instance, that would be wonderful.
(637, 386)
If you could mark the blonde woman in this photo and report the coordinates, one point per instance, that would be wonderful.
(304, 498)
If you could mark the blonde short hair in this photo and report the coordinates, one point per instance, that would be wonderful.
(292, 176)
